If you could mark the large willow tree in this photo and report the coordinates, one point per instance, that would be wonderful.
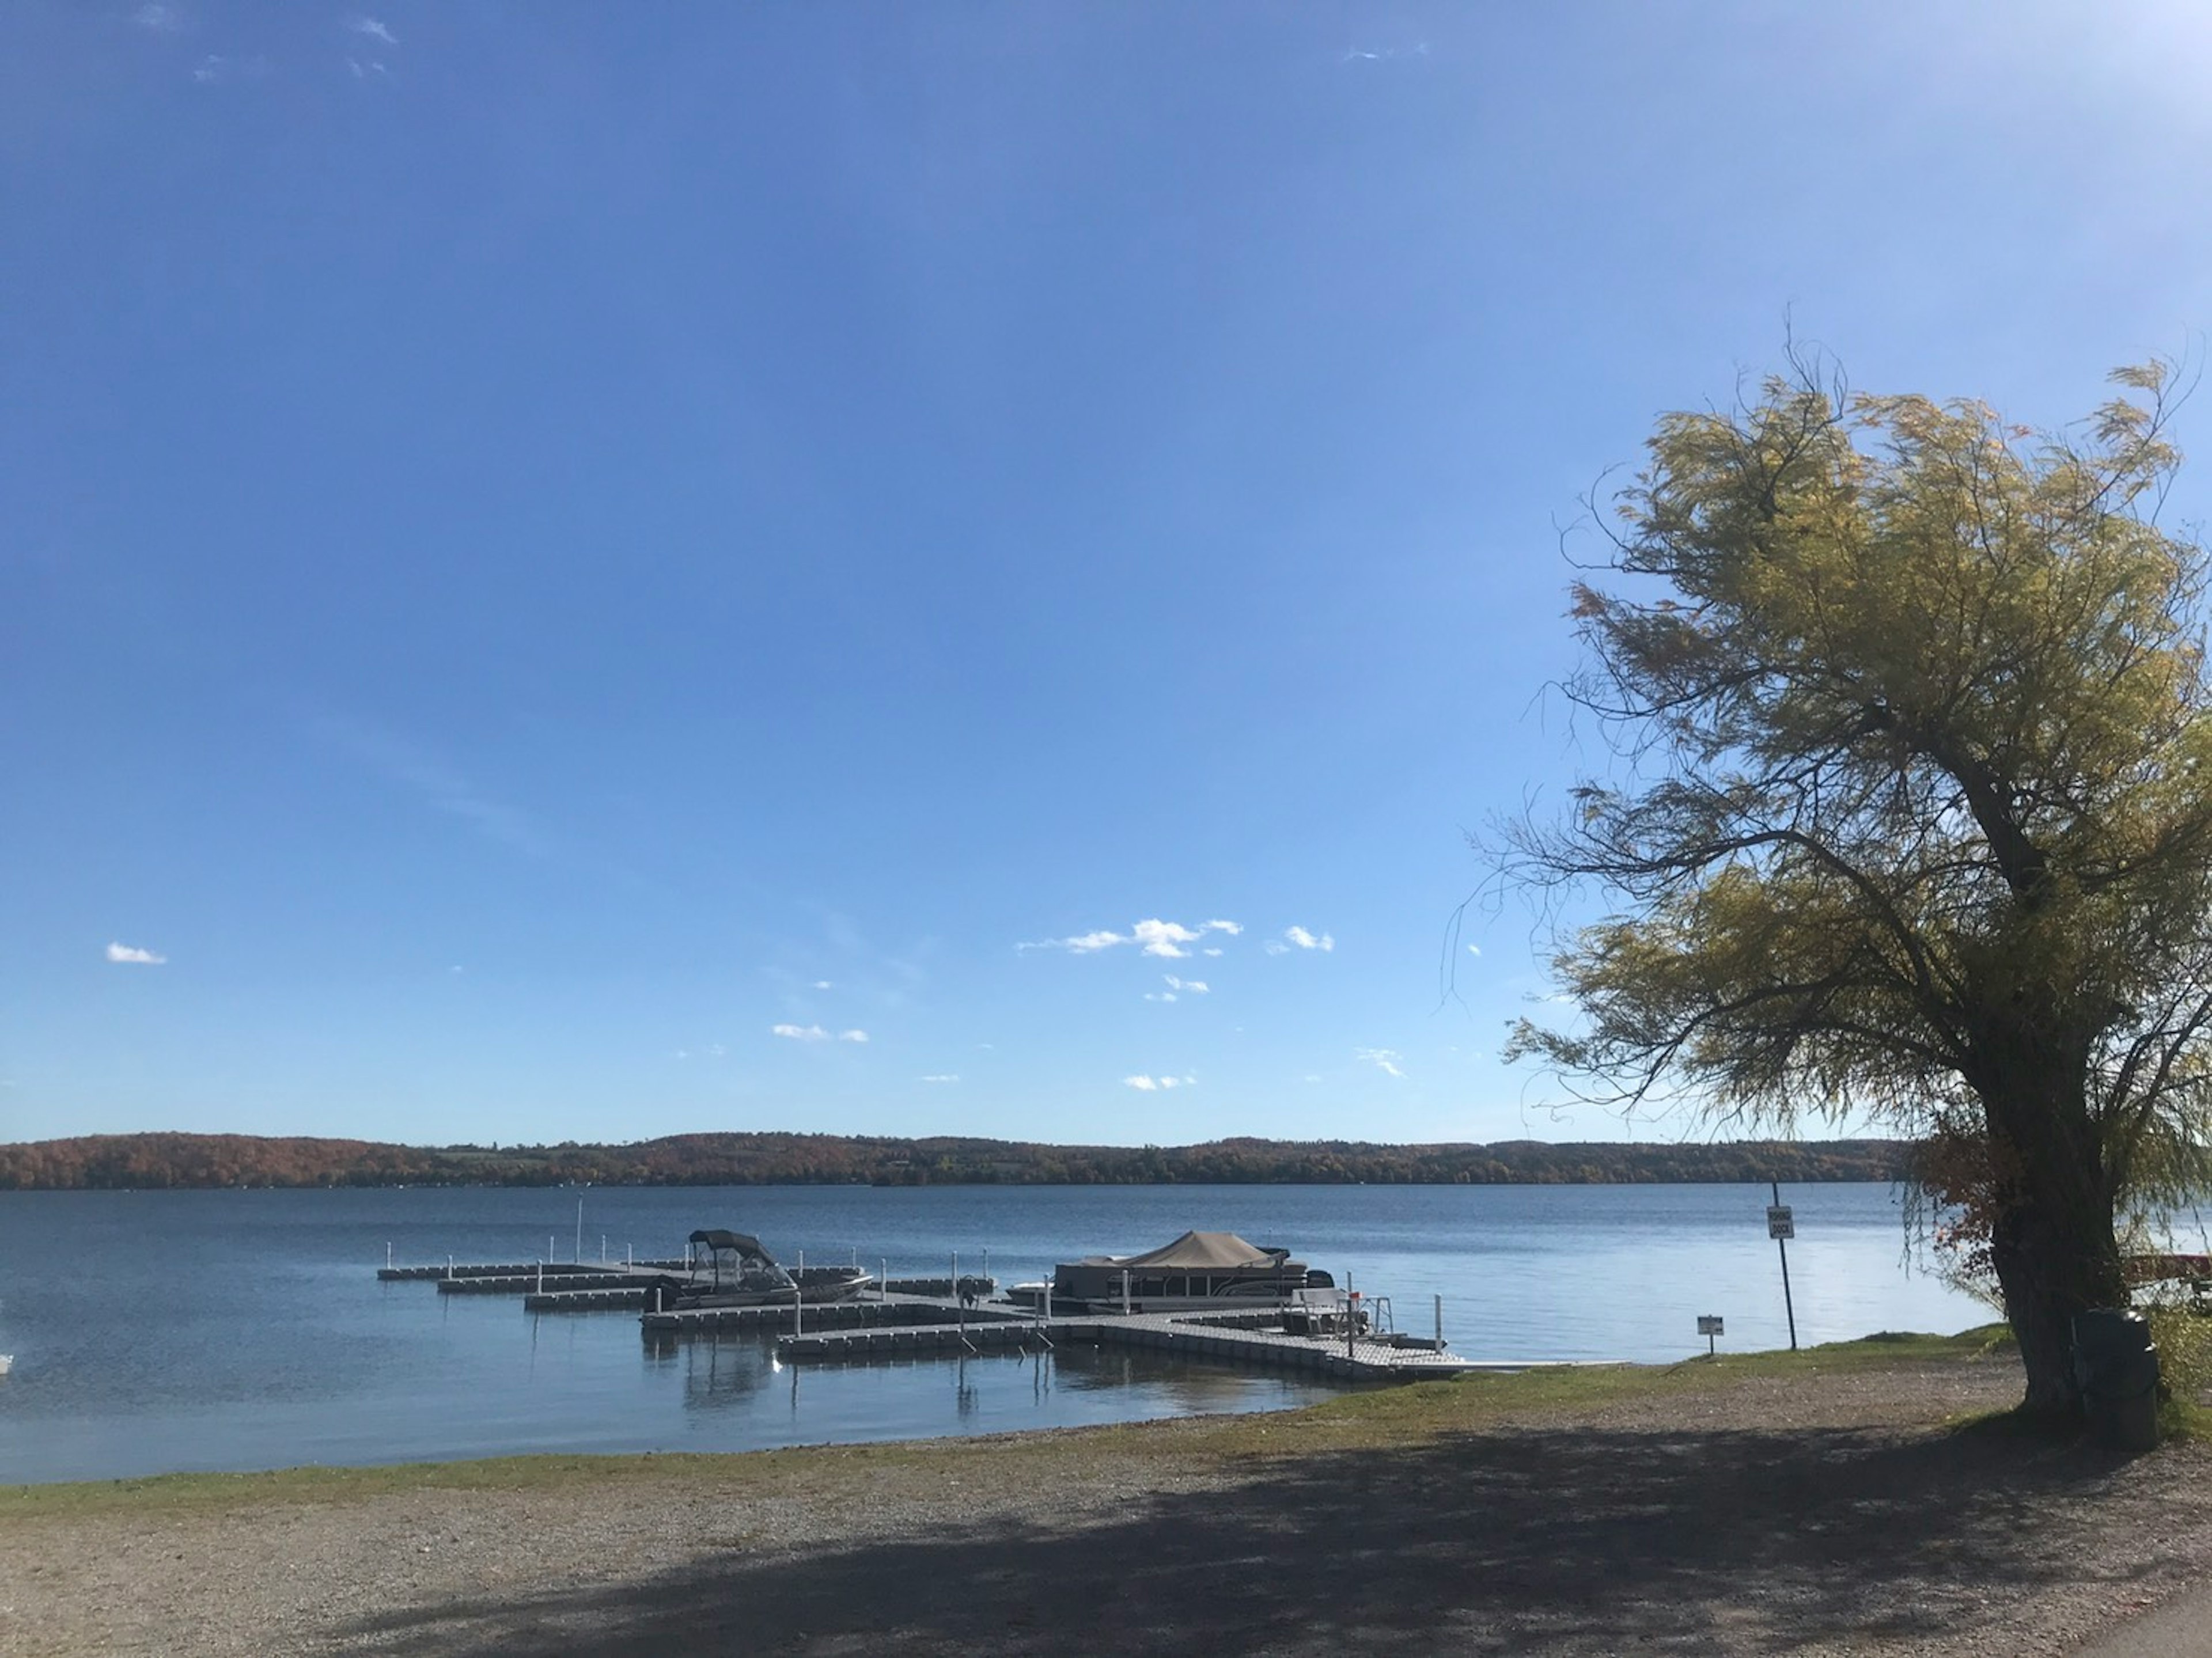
(1912, 812)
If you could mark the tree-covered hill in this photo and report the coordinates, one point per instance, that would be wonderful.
(180, 1160)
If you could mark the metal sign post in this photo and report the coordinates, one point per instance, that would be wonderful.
(1781, 1226)
(1711, 1325)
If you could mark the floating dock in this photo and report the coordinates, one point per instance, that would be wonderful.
(893, 1312)
(522, 1269)
(921, 1318)
(1252, 1339)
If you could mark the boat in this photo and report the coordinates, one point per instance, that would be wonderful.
(1200, 1272)
(734, 1269)
(6, 1362)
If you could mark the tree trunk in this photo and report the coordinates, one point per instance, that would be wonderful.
(2052, 1237)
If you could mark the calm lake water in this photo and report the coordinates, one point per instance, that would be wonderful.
(157, 1332)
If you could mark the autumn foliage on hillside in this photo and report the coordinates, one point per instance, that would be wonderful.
(155, 1161)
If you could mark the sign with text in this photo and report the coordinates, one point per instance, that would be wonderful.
(1710, 1324)
(1779, 1225)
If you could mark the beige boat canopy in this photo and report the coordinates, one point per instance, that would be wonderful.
(1195, 1252)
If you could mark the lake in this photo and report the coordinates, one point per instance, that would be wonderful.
(156, 1332)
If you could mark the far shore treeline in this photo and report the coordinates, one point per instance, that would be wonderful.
(116, 1162)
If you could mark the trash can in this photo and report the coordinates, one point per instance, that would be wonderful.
(2116, 1363)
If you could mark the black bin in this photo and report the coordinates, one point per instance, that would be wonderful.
(2116, 1363)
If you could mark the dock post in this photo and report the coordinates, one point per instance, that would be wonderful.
(1125, 1292)
(541, 1278)
(627, 1256)
(883, 1284)
(1440, 1324)
(603, 1248)
(798, 1305)
(387, 1257)
(449, 1267)
(579, 1256)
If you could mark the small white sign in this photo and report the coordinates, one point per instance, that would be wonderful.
(1779, 1222)
(1710, 1324)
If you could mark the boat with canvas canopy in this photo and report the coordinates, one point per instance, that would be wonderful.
(1200, 1272)
(734, 1269)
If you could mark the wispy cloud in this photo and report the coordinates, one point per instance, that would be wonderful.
(852, 1036)
(131, 956)
(1153, 1084)
(823, 984)
(1193, 986)
(949, 1077)
(1305, 940)
(1384, 54)
(1474, 949)
(1154, 937)
(445, 787)
(800, 1033)
(160, 20)
(374, 29)
(1384, 1059)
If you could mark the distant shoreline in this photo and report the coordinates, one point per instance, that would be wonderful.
(178, 1161)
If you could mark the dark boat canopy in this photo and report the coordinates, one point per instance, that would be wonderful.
(715, 1238)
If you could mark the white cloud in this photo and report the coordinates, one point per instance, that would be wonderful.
(1159, 995)
(716, 1050)
(953, 1078)
(1211, 950)
(160, 20)
(1145, 1083)
(1311, 1077)
(1474, 949)
(1165, 938)
(1305, 940)
(1153, 1084)
(1152, 937)
(801, 1033)
(1082, 944)
(1384, 1059)
(1276, 947)
(823, 984)
(852, 1036)
(374, 30)
(1193, 986)
(681, 1053)
(135, 956)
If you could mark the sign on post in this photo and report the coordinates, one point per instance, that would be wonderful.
(1779, 1223)
(1709, 1326)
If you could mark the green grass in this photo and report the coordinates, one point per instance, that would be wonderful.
(1374, 1418)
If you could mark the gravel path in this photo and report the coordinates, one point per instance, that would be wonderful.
(1825, 1515)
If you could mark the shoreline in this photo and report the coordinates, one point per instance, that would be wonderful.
(1865, 1496)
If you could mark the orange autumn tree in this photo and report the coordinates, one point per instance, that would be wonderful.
(1912, 815)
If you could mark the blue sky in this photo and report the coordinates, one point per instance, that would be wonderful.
(561, 564)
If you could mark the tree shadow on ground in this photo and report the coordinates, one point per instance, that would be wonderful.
(1569, 1541)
